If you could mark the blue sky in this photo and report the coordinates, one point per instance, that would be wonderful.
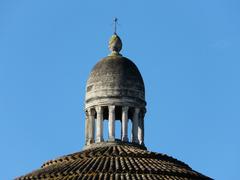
(188, 54)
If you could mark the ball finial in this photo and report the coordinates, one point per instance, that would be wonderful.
(115, 45)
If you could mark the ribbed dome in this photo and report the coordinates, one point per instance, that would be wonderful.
(115, 162)
(115, 80)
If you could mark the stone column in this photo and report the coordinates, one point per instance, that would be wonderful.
(90, 126)
(135, 125)
(111, 123)
(99, 124)
(86, 128)
(124, 123)
(141, 128)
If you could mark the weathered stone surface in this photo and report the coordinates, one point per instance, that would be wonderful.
(115, 161)
(115, 80)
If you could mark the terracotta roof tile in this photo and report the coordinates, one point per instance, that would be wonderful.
(114, 162)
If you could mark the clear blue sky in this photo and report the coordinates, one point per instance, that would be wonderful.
(188, 54)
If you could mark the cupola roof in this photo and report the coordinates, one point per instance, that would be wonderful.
(115, 80)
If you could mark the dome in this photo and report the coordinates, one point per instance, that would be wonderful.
(115, 161)
(115, 92)
(115, 80)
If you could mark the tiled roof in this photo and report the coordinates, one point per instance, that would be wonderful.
(121, 161)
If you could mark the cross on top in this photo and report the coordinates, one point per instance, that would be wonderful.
(115, 21)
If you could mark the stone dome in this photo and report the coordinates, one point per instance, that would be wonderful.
(115, 80)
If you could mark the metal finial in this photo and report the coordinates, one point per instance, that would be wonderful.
(115, 25)
(115, 43)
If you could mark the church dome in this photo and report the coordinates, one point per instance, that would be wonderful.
(115, 161)
(115, 92)
(115, 80)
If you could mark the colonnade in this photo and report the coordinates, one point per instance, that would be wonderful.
(94, 124)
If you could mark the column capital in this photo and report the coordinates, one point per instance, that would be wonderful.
(143, 110)
(125, 108)
(111, 108)
(90, 112)
(137, 110)
(99, 109)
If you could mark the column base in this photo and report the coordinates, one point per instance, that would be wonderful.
(142, 143)
(90, 141)
(99, 139)
(111, 139)
(125, 139)
(135, 141)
